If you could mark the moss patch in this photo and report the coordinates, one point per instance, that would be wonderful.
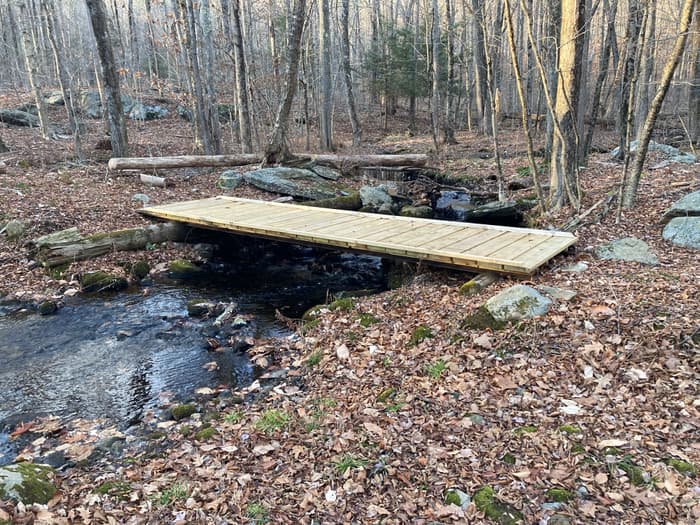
(685, 468)
(120, 489)
(47, 307)
(138, 270)
(569, 429)
(102, 282)
(367, 320)
(635, 474)
(182, 269)
(182, 411)
(206, 434)
(482, 320)
(503, 513)
(27, 482)
(420, 333)
(345, 202)
(344, 305)
(559, 495)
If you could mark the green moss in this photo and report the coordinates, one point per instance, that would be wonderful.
(180, 268)
(559, 495)
(27, 482)
(508, 458)
(636, 475)
(102, 282)
(420, 333)
(47, 307)
(578, 448)
(313, 312)
(120, 489)
(314, 359)
(206, 434)
(211, 416)
(569, 429)
(503, 513)
(138, 270)
(344, 305)
(182, 411)
(482, 320)
(419, 212)
(526, 429)
(386, 394)
(57, 272)
(185, 430)
(685, 468)
(310, 325)
(271, 421)
(452, 498)
(367, 320)
(345, 202)
(197, 307)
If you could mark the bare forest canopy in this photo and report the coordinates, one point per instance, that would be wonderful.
(295, 72)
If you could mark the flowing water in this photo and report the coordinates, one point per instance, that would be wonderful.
(116, 355)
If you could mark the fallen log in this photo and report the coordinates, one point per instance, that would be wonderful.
(70, 245)
(478, 283)
(213, 161)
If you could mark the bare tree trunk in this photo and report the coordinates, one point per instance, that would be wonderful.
(524, 113)
(553, 25)
(646, 67)
(483, 107)
(324, 44)
(629, 193)
(110, 77)
(435, 59)
(278, 149)
(347, 73)
(211, 105)
(564, 159)
(694, 91)
(449, 96)
(31, 61)
(634, 25)
(414, 56)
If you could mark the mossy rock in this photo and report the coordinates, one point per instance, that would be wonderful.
(482, 320)
(419, 334)
(344, 305)
(27, 482)
(558, 495)
(182, 269)
(685, 468)
(138, 270)
(312, 313)
(418, 212)
(198, 307)
(386, 394)
(636, 474)
(503, 513)
(102, 282)
(47, 307)
(206, 434)
(180, 412)
(344, 202)
(367, 320)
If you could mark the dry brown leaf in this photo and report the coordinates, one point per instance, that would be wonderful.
(373, 428)
(605, 443)
(504, 382)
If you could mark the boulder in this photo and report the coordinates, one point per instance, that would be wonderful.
(229, 180)
(140, 111)
(505, 213)
(325, 172)
(102, 282)
(14, 229)
(185, 113)
(683, 231)
(15, 117)
(91, 104)
(376, 199)
(671, 153)
(419, 212)
(54, 98)
(517, 303)
(452, 205)
(628, 249)
(141, 197)
(295, 182)
(687, 206)
(27, 483)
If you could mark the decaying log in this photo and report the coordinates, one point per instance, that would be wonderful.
(478, 283)
(70, 245)
(152, 180)
(206, 161)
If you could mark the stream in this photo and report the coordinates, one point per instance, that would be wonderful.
(116, 356)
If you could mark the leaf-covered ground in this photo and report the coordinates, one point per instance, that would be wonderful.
(589, 414)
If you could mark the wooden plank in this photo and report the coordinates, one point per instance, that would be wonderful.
(497, 248)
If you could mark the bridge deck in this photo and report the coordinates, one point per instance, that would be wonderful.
(466, 245)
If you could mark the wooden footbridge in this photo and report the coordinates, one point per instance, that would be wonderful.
(464, 245)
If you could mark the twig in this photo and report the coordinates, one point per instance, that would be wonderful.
(576, 221)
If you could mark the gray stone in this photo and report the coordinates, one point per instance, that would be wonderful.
(376, 198)
(27, 482)
(185, 113)
(325, 172)
(560, 294)
(293, 181)
(54, 98)
(91, 104)
(229, 180)
(688, 206)
(505, 213)
(671, 153)
(14, 229)
(516, 303)
(142, 198)
(683, 231)
(140, 111)
(628, 249)
(14, 117)
(578, 267)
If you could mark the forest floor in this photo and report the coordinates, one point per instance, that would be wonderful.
(574, 417)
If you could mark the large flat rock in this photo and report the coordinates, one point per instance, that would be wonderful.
(296, 182)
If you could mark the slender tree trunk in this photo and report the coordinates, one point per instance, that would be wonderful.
(629, 193)
(634, 25)
(32, 63)
(110, 77)
(211, 105)
(553, 24)
(347, 72)
(414, 57)
(564, 161)
(435, 59)
(449, 95)
(646, 68)
(324, 44)
(483, 107)
(277, 149)
(242, 101)
(694, 91)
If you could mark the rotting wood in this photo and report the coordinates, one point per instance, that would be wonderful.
(214, 161)
(70, 245)
(153, 180)
(478, 283)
